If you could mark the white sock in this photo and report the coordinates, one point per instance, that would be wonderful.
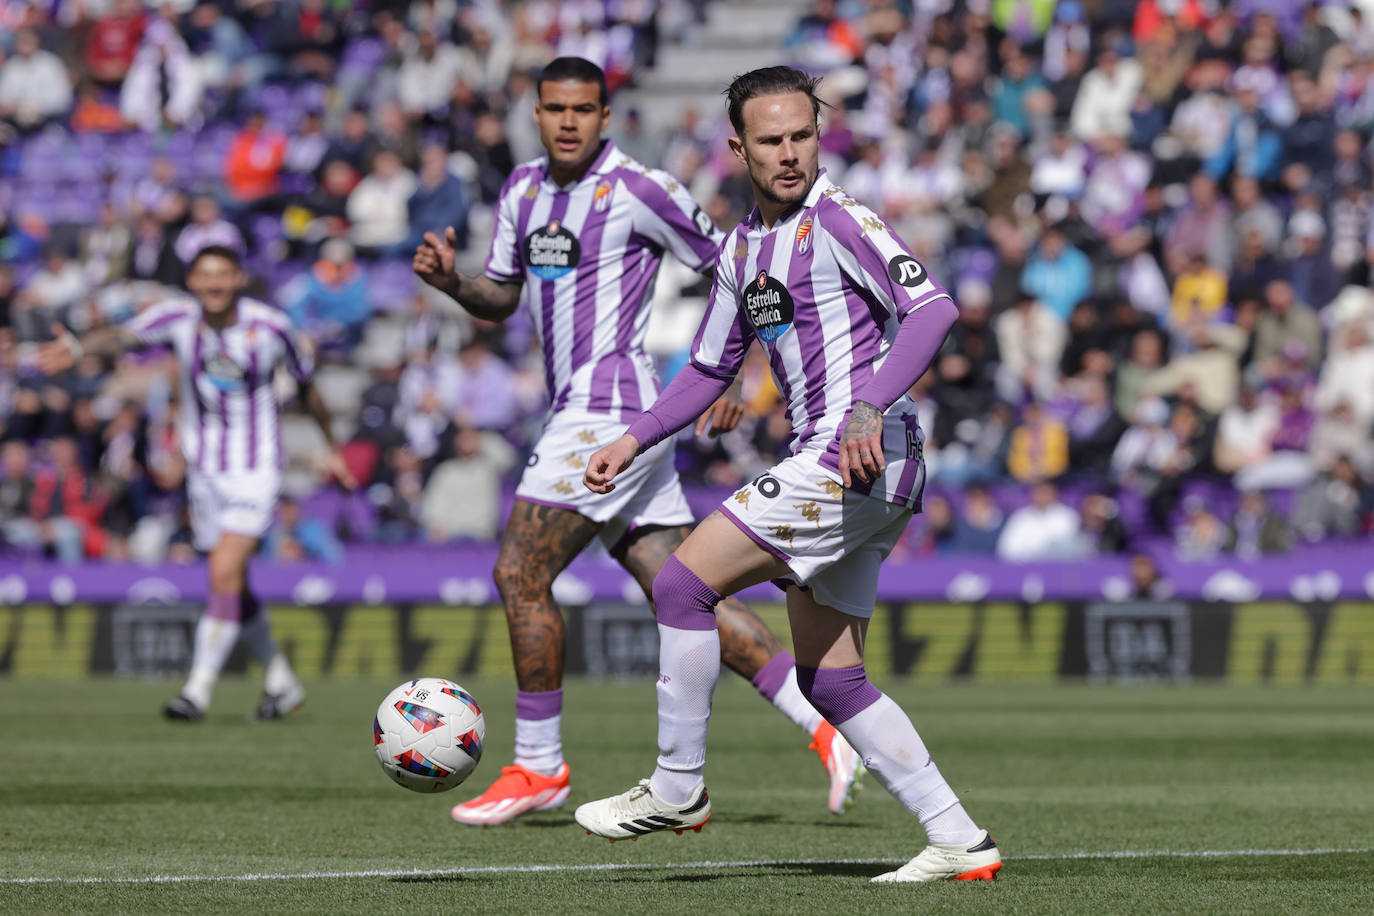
(894, 753)
(790, 701)
(539, 744)
(215, 639)
(688, 666)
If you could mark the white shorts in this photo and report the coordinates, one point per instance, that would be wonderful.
(231, 504)
(647, 493)
(832, 539)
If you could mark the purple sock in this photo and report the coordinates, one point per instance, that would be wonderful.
(533, 705)
(773, 675)
(839, 694)
(681, 600)
(223, 606)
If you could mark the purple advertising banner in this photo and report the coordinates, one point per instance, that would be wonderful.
(462, 576)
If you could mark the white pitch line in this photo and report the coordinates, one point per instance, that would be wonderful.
(664, 866)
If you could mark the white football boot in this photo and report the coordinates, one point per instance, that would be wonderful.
(940, 862)
(632, 814)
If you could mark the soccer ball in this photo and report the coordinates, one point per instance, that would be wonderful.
(428, 734)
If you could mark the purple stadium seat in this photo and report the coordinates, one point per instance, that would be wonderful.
(390, 284)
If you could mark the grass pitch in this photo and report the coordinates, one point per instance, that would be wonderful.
(93, 785)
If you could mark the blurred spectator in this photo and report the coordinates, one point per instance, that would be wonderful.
(1044, 530)
(1347, 375)
(67, 506)
(1199, 292)
(16, 497)
(112, 42)
(1094, 426)
(1288, 464)
(1286, 325)
(377, 207)
(439, 200)
(1244, 432)
(978, 526)
(1314, 278)
(1057, 274)
(1210, 370)
(254, 160)
(207, 227)
(34, 85)
(58, 285)
(1039, 446)
(164, 85)
(1200, 226)
(1114, 197)
(330, 302)
(462, 499)
(428, 74)
(1336, 504)
(152, 255)
(1103, 533)
(486, 399)
(295, 537)
(1202, 536)
(1257, 530)
(1104, 99)
(1253, 146)
(1146, 580)
(1030, 340)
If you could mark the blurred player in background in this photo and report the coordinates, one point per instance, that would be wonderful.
(580, 234)
(228, 348)
(849, 320)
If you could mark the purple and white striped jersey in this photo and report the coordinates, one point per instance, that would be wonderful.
(824, 291)
(229, 422)
(588, 255)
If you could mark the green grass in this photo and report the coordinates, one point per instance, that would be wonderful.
(92, 783)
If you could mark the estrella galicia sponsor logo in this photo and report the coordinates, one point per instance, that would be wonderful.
(768, 306)
(225, 374)
(906, 270)
(552, 252)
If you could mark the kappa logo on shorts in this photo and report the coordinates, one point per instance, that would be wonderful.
(810, 510)
(587, 436)
(564, 487)
(742, 497)
(783, 533)
(831, 488)
(574, 461)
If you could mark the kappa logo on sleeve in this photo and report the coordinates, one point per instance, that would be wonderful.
(906, 270)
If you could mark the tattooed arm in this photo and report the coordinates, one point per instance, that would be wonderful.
(861, 444)
(63, 352)
(484, 297)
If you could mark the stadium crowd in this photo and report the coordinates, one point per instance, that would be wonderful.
(1156, 218)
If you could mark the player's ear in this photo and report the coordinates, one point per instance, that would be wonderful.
(737, 147)
(605, 118)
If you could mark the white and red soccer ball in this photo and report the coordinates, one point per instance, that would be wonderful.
(428, 734)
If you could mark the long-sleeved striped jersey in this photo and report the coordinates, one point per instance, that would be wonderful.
(229, 419)
(588, 254)
(824, 291)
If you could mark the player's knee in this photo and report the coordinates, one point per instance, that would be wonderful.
(838, 694)
(520, 580)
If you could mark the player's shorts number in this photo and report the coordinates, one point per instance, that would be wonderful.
(768, 486)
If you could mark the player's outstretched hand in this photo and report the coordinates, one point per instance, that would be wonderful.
(58, 354)
(434, 258)
(606, 463)
(723, 416)
(338, 467)
(861, 445)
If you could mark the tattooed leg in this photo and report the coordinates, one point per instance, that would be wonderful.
(746, 643)
(538, 544)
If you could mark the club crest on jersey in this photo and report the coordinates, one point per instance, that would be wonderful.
(601, 198)
(804, 235)
(552, 252)
(768, 306)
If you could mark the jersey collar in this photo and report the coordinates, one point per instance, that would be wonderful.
(822, 184)
(605, 161)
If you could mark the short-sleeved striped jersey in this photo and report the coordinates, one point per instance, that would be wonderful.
(588, 254)
(229, 421)
(824, 291)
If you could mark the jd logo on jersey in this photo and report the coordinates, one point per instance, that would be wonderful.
(769, 307)
(906, 270)
(552, 252)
